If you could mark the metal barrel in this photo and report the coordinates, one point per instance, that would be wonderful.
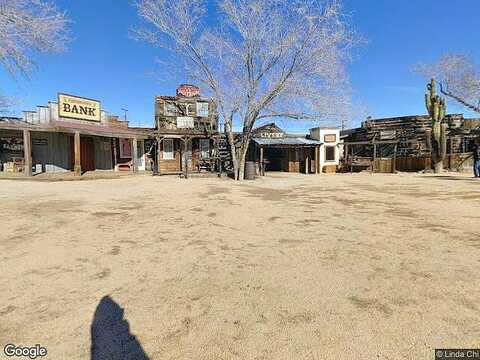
(250, 170)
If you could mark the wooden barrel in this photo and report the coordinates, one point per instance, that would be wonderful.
(250, 170)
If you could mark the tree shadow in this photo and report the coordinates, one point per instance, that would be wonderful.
(110, 334)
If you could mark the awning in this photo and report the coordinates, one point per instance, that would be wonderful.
(287, 142)
(82, 128)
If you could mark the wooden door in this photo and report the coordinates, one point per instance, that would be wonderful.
(87, 154)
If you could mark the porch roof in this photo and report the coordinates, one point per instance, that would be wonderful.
(82, 128)
(287, 142)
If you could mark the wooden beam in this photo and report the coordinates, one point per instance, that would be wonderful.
(159, 143)
(394, 163)
(316, 160)
(345, 153)
(185, 147)
(114, 144)
(374, 157)
(351, 161)
(77, 168)
(262, 169)
(27, 153)
(135, 155)
(306, 161)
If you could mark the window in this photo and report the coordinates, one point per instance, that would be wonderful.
(329, 153)
(204, 148)
(168, 149)
(170, 108)
(202, 109)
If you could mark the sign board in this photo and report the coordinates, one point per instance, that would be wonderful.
(11, 145)
(271, 135)
(202, 109)
(187, 90)
(329, 138)
(79, 108)
(387, 134)
(185, 122)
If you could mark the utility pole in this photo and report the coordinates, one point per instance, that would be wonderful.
(125, 111)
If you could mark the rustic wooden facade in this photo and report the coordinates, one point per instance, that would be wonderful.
(43, 141)
(274, 150)
(399, 144)
(186, 132)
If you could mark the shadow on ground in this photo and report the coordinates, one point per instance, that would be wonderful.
(110, 333)
(456, 178)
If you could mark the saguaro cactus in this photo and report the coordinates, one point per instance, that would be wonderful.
(437, 136)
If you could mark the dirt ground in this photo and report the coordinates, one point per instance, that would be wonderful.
(286, 267)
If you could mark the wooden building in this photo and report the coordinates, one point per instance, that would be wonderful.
(186, 132)
(73, 134)
(399, 144)
(275, 150)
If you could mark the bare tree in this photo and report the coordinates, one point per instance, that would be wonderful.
(458, 77)
(5, 104)
(26, 26)
(262, 58)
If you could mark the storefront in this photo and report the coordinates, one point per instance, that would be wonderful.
(186, 132)
(275, 150)
(73, 134)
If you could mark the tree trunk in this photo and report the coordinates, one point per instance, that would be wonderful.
(239, 154)
(241, 161)
(438, 167)
(233, 152)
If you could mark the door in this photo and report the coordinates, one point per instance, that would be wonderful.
(87, 154)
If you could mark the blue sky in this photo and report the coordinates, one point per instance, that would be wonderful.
(104, 63)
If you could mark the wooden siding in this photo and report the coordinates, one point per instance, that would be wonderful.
(173, 165)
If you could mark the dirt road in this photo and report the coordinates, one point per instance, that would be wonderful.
(285, 267)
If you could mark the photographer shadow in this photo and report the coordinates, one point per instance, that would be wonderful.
(110, 334)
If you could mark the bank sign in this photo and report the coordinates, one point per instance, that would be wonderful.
(75, 107)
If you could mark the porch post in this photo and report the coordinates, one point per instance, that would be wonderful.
(77, 168)
(185, 147)
(262, 169)
(135, 155)
(374, 167)
(27, 153)
(316, 160)
(394, 165)
(345, 154)
(114, 144)
(159, 142)
(306, 160)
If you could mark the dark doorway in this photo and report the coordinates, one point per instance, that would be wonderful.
(274, 159)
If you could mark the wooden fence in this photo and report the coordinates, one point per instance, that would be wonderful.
(455, 162)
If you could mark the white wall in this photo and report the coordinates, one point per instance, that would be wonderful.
(319, 134)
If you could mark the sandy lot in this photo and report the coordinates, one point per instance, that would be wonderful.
(287, 267)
